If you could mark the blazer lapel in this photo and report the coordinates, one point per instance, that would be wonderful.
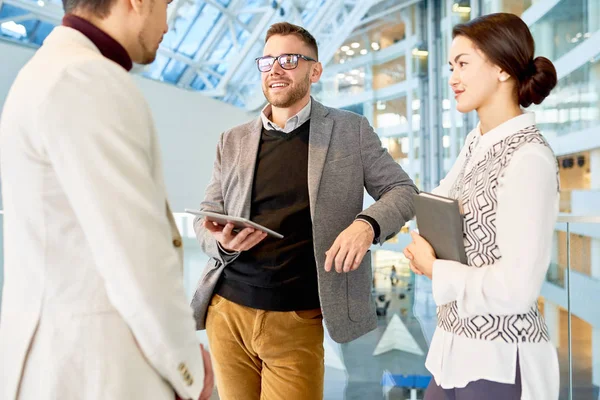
(246, 167)
(318, 144)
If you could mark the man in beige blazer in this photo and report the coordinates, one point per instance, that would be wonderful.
(93, 305)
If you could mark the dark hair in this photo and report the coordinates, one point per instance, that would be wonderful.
(507, 42)
(99, 8)
(285, 28)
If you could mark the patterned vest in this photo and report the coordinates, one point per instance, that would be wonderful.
(477, 194)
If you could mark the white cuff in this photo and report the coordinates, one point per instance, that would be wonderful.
(448, 281)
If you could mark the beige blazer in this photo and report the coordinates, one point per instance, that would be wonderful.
(93, 303)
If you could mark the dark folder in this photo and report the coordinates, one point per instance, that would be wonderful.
(441, 224)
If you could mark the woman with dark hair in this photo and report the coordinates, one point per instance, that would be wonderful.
(491, 342)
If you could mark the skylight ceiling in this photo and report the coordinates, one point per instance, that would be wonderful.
(211, 44)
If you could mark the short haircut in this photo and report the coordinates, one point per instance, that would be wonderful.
(285, 29)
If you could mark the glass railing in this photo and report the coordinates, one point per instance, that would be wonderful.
(388, 363)
(569, 302)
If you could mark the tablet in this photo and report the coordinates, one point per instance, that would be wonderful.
(238, 222)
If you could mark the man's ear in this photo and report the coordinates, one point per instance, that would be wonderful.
(316, 73)
(138, 5)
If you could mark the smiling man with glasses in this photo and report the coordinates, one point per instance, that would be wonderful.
(299, 169)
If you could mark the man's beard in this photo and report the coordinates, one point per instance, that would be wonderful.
(148, 55)
(293, 95)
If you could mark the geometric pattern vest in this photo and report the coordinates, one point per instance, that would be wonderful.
(476, 192)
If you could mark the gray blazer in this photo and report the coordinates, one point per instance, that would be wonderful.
(345, 157)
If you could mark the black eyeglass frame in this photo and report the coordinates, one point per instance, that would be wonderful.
(276, 59)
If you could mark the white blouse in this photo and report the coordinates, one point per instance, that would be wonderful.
(525, 218)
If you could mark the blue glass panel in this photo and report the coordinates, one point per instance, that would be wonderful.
(42, 31)
(311, 10)
(200, 29)
(213, 80)
(198, 83)
(186, 16)
(173, 71)
(254, 3)
(10, 11)
(246, 18)
(241, 38)
(10, 30)
(28, 31)
(156, 68)
(234, 99)
(356, 108)
(170, 39)
(30, 25)
(226, 47)
(221, 49)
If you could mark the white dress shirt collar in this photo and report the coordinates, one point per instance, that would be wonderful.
(291, 124)
(507, 128)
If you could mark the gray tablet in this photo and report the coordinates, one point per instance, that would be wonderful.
(238, 222)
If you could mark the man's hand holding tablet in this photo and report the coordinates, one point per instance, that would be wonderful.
(234, 233)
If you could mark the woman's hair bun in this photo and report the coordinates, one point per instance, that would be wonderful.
(538, 83)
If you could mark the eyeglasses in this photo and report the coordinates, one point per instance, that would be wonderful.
(287, 61)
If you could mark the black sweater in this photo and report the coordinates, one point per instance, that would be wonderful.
(278, 274)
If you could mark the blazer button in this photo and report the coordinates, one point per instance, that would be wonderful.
(177, 242)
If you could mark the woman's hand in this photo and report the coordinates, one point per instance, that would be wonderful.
(421, 255)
